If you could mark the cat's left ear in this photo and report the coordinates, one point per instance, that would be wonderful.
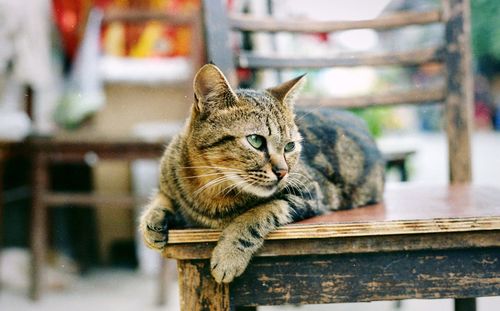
(288, 91)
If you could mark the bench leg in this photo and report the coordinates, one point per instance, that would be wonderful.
(38, 225)
(465, 304)
(198, 290)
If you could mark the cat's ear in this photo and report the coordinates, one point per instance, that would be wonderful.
(288, 91)
(211, 89)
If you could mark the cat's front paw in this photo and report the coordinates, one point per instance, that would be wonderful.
(228, 262)
(154, 228)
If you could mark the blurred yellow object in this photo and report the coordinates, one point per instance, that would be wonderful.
(149, 39)
(114, 39)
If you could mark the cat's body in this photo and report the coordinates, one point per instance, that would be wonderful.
(238, 166)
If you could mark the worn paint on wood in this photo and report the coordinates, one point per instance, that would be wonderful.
(369, 277)
(198, 289)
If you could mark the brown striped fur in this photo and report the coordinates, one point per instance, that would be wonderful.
(212, 176)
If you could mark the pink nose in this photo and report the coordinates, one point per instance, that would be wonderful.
(280, 173)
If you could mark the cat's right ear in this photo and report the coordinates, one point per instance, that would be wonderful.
(211, 89)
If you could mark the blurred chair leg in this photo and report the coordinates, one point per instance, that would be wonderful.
(162, 283)
(1, 207)
(465, 304)
(38, 224)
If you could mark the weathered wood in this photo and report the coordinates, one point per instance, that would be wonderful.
(273, 61)
(459, 102)
(408, 209)
(198, 290)
(350, 245)
(352, 229)
(369, 277)
(418, 96)
(395, 20)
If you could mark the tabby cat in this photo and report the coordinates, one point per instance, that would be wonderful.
(246, 163)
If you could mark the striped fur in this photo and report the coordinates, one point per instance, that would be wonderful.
(212, 176)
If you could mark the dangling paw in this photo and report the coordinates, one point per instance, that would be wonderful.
(228, 262)
(154, 228)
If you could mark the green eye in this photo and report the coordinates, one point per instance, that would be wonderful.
(290, 146)
(256, 141)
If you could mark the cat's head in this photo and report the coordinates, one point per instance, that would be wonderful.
(247, 136)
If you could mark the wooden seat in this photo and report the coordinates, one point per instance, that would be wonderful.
(423, 241)
(91, 146)
(429, 219)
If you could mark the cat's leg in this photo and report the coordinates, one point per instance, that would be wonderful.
(154, 221)
(244, 236)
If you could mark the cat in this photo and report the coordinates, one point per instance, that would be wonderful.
(247, 163)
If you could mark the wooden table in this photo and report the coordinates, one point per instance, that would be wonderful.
(73, 149)
(423, 242)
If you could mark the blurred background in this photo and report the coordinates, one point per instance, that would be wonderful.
(111, 72)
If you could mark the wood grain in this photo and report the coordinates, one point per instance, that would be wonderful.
(350, 245)
(408, 209)
(199, 292)
(369, 277)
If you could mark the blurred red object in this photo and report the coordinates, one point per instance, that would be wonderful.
(70, 18)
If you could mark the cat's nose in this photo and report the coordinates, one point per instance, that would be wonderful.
(280, 172)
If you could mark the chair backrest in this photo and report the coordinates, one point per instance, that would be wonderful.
(453, 56)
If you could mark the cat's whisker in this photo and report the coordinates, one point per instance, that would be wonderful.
(211, 183)
(289, 187)
(222, 168)
(229, 188)
(301, 175)
(304, 187)
(310, 110)
(202, 175)
(295, 186)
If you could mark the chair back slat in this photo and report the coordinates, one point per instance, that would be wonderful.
(418, 96)
(245, 22)
(411, 58)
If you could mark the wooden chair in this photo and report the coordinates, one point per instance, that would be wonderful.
(421, 242)
(77, 148)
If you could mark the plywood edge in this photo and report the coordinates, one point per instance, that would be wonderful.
(323, 231)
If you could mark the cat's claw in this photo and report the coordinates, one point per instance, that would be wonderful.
(155, 229)
(228, 262)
